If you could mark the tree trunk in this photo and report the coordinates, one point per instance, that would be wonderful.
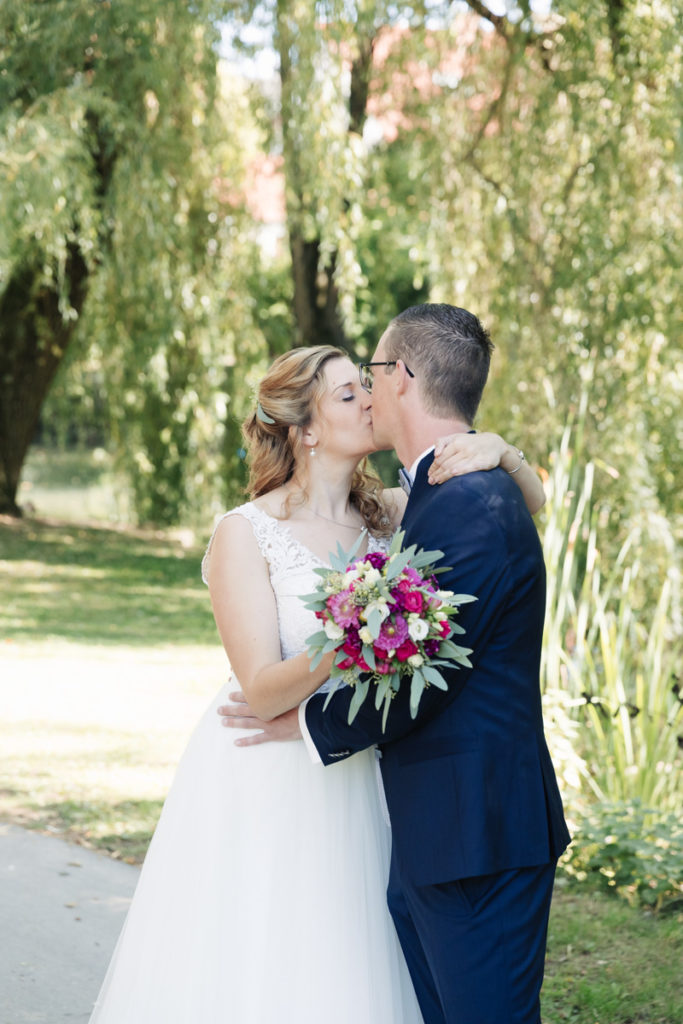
(361, 71)
(34, 337)
(316, 299)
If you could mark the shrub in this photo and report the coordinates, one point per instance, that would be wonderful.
(631, 850)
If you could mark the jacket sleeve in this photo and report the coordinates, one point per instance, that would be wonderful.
(476, 551)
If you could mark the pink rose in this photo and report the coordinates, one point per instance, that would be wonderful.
(444, 629)
(412, 601)
(406, 649)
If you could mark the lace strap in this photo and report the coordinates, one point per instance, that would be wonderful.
(262, 524)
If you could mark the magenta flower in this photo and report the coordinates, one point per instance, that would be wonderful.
(343, 609)
(412, 601)
(406, 650)
(392, 634)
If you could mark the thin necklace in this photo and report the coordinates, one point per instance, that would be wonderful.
(336, 522)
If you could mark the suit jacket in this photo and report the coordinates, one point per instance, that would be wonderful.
(469, 783)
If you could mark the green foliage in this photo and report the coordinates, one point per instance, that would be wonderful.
(612, 642)
(114, 145)
(528, 172)
(614, 715)
(631, 850)
(558, 187)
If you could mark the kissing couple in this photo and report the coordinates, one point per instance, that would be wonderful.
(276, 889)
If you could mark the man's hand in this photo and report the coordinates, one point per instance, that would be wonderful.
(240, 716)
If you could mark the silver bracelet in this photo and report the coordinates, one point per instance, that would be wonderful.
(511, 472)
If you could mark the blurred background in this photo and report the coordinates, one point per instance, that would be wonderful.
(188, 190)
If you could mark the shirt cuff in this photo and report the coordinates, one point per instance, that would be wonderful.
(306, 736)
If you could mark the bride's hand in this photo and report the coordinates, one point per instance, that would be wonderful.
(457, 454)
(240, 716)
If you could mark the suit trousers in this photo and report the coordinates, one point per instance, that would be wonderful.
(475, 947)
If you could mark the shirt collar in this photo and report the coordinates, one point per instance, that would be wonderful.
(413, 469)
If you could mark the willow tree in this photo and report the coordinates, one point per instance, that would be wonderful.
(550, 175)
(325, 55)
(113, 230)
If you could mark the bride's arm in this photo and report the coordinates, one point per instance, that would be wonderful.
(246, 615)
(466, 453)
(457, 454)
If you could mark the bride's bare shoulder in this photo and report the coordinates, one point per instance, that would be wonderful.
(395, 501)
(274, 503)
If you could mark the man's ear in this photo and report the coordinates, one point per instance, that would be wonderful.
(402, 377)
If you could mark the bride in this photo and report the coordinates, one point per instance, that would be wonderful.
(262, 897)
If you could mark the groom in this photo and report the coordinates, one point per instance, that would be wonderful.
(476, 816)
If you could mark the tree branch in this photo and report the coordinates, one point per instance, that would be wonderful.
(499, 21)
(507, 29)
(494, 108)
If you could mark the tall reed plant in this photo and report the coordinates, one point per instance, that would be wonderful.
(611, 656)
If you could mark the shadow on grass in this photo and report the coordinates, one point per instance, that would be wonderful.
(100, 585)
(123, 829)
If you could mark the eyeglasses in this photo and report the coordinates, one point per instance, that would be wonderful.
(366, 373)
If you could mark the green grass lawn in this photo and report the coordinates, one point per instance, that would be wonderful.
(608, 963)
(73, 485)
(99, 585)
(109, 655)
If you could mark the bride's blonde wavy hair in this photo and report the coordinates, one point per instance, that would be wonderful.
(289, 394)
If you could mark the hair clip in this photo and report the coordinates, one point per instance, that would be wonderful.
(262, 415)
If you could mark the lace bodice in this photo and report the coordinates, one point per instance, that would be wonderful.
(291, 568)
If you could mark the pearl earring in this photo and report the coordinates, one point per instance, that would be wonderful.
(311, 451)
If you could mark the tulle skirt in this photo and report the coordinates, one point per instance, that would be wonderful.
(262, 897)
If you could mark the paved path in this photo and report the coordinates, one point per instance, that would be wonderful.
(61, 910)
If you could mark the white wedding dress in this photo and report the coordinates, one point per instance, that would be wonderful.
(262, 896)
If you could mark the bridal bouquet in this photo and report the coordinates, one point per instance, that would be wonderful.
(389, 623)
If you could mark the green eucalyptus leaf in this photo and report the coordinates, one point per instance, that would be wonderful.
(417, 685)
(359, 695)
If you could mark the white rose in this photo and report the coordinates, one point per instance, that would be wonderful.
(415, 660)
(372, 576)
(365, 635)
(379, 606)
(417, 628)
(333, 631)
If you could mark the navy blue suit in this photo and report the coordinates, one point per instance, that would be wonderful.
(477, 820)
